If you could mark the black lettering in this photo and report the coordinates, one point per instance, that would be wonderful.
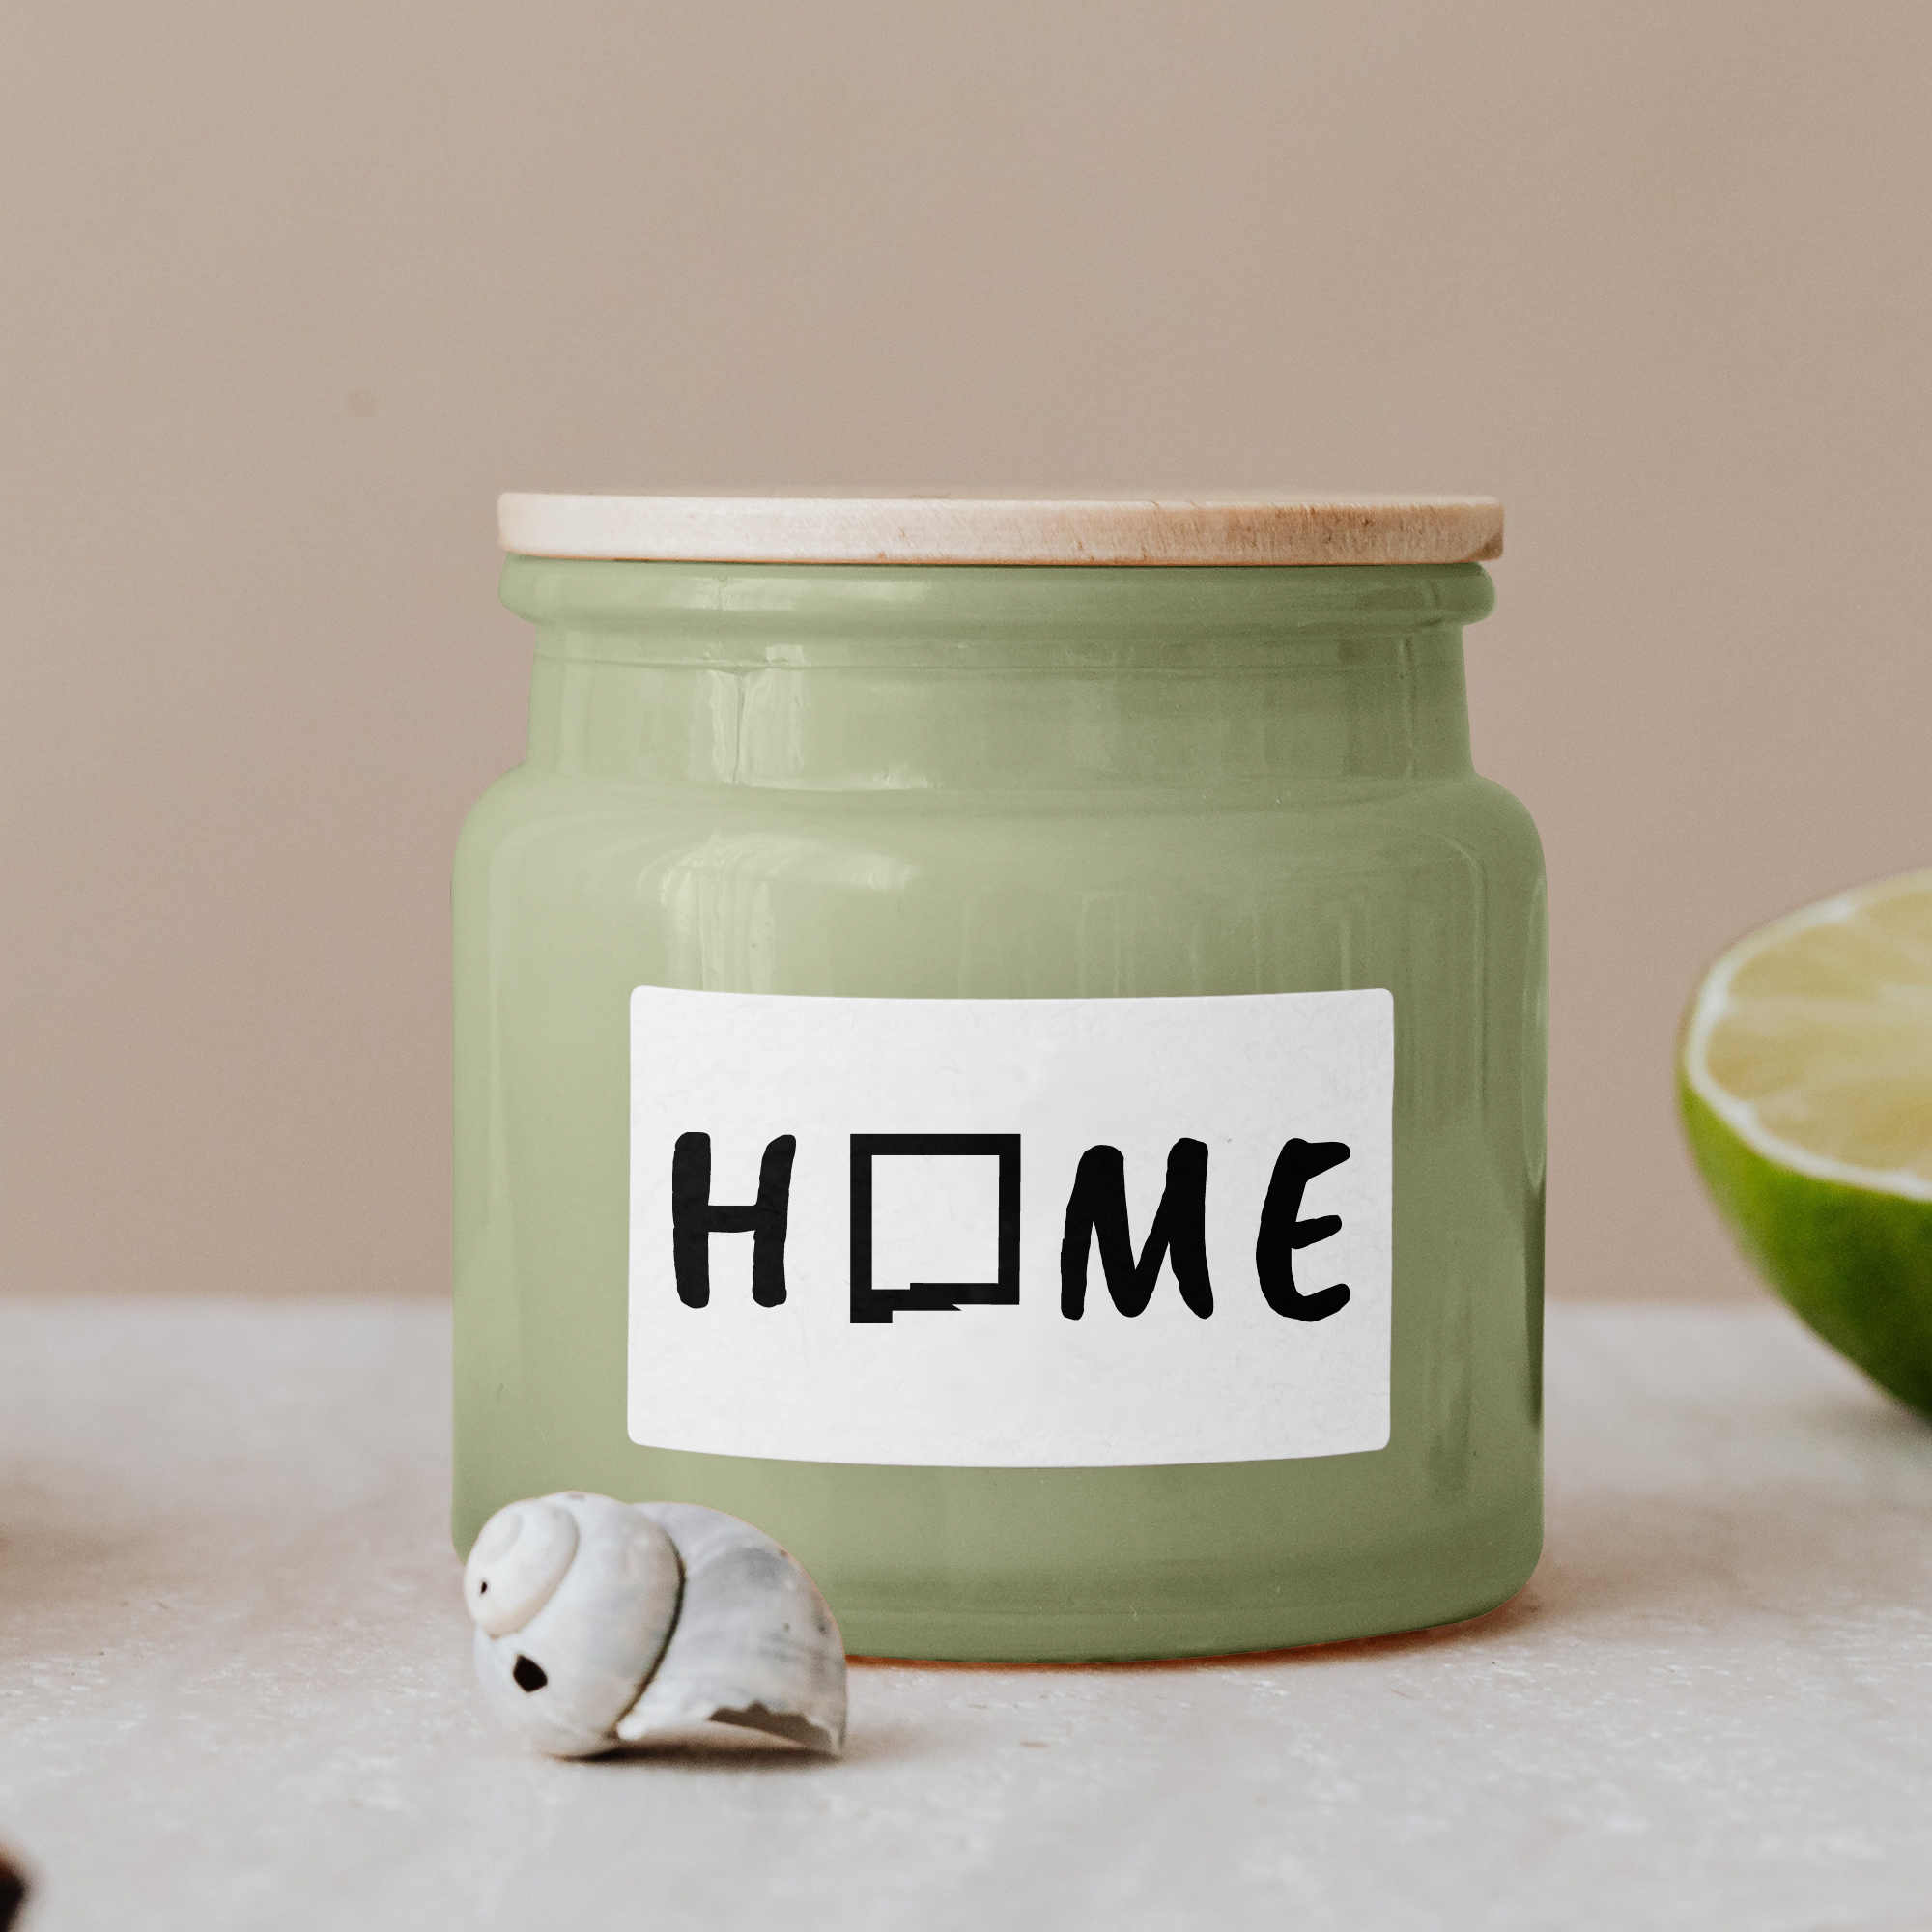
(694, 1219)
(871, 1304)
(1097, 1208)
(1283, 1232)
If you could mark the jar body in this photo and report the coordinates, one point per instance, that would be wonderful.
(1013, 785)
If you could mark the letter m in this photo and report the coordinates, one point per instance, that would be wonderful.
(1097, 1210)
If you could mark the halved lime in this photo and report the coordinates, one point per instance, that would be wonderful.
(1805, 1080)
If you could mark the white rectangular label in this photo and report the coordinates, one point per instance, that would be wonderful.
(1023, 1233)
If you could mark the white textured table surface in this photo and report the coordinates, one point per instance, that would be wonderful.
(236, 1689)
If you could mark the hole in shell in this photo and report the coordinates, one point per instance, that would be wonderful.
(530, 1674)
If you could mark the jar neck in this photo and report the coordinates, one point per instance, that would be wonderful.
(884, 679)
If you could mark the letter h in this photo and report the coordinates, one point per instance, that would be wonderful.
(695, 1218)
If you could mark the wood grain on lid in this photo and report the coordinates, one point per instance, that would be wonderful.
(1012, 530)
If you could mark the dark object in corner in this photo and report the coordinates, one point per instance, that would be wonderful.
(12, 1892)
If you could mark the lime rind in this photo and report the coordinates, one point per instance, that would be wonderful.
(1853, 1262)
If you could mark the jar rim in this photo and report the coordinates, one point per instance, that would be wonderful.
(1034, 529)
(1027, 610)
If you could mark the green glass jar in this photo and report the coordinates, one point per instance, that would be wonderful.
(1016, 1064)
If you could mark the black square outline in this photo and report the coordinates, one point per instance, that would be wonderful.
(871, 1304)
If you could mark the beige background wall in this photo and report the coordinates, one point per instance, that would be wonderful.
(290, 292)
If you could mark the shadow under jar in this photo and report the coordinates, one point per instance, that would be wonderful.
(1016, 1064)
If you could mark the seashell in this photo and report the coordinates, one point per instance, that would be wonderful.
(601, 1623)
(566, 1676)
(517, 1562)
(756, 1645)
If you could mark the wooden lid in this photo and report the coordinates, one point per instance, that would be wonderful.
(1006, 530)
